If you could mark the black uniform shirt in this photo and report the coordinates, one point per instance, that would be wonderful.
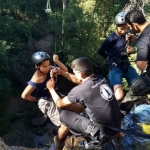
(98, 97)
(143, 45)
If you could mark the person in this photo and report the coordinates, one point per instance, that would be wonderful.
(138, 24)
(115, 49)
(98, 100)
(41, 61)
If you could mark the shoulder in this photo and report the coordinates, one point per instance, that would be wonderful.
(99, 77)
(37, 77)
(112, 37)
(145, 34)
(76, 89)
(147, 28)
(144, 38)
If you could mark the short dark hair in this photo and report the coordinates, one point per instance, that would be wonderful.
(120, 25)
(39, 64)
(135, 16)
(84, 65)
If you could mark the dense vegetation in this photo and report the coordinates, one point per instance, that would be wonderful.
(77, 28)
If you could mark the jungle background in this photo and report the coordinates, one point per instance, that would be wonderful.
(68, 28)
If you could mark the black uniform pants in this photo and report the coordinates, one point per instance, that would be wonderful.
(74, 121)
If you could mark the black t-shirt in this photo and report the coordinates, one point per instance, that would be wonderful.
(143, 45)
(98, 97)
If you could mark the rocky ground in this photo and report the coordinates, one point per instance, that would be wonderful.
(20, 130)
(22, 135)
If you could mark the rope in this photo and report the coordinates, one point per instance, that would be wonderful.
(55, 77)
(48, 7)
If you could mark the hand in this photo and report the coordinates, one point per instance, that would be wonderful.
(55, 71)
(131, 37)
(50, 84)
(55, 58)
(130, 49)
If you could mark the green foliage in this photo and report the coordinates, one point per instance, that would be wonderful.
(5, 86)
(79, 31)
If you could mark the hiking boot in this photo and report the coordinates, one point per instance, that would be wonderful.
(40, 120)
(58, 144)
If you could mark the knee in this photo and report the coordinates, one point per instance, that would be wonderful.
(63, 115)
(77, 108)
(119, 94)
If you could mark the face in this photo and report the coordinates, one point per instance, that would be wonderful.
(122, 29)
(77, 74)
(134, 28)
(44, 67)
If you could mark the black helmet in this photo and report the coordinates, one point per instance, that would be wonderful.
(120, 18)
(139, 87)
(38, 57)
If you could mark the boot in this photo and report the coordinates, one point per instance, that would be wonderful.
(58, 144)
(94, 135)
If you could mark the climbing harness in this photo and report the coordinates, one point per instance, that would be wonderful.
(141, 85)
(97, 145)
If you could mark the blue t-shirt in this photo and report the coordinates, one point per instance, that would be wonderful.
(41, 90)
(114, 48)
(143, 46)
(112, 45)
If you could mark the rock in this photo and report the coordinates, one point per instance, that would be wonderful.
(45, 139)
(3, 146)
(72, 143)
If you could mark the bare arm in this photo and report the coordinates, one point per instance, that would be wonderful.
(141, 65)
(129, 49)
(59, 63)
(132, 37)
(26, 94)
(70, 77)
(61, 103)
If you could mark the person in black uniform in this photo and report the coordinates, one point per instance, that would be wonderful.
(138, 24)
(99, 102)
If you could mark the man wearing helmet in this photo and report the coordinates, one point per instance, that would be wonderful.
(41, 61)
(116, 48)
(138, 23)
